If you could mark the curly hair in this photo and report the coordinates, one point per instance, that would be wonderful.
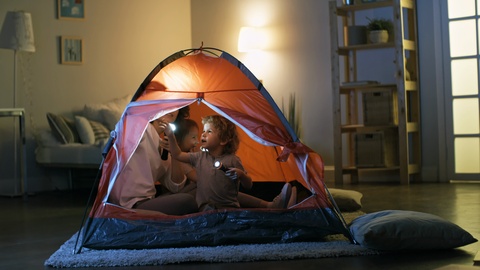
(227, 132)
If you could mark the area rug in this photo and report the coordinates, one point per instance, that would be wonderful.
(334, 246)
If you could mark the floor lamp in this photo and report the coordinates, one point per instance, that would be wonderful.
(17, 35)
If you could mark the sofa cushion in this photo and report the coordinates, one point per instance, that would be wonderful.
(100, 131)
(85, 130)
(107, 113)
(72, 155)
(91, 132)
(111, 117)
(63, 128)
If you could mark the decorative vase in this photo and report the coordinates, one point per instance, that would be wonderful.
(378, 36)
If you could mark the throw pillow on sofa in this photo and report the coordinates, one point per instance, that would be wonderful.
(108, 113)
(91, 132)
(63, 128)
(85, 130)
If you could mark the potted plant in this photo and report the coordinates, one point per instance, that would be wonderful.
(292, 115)
(379, 29)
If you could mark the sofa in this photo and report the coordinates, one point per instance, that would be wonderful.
(78, 141)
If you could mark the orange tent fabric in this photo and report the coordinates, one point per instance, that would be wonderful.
(270, 151)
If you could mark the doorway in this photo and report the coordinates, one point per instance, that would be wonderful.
(462, 97)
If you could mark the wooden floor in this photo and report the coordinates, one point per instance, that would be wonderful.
(30, 231)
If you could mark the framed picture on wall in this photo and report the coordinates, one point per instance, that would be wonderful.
(71, 50)
(71, 9)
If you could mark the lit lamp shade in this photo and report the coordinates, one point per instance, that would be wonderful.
(250, 39)
(17, 32)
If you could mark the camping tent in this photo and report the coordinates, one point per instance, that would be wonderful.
(212, 81)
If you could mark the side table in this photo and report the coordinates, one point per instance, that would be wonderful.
(20, 113)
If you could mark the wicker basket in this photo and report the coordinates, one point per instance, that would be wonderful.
(376, 149)
(379, 108)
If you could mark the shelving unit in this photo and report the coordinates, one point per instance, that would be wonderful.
(348, 97)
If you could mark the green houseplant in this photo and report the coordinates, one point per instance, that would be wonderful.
(379, 29)
(292, 114)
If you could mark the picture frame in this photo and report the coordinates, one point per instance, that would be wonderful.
(71, 50)
(71, 9)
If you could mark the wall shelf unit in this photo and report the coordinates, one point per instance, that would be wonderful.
(376, 120)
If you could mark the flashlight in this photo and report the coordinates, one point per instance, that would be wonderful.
(219, 166)
(165, 151)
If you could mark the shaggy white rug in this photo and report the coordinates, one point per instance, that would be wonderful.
(335, 246)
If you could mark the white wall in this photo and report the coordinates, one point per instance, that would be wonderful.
(432, 91)
(124, 41)
(298, 60)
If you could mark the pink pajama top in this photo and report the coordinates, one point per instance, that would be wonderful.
(137, 180)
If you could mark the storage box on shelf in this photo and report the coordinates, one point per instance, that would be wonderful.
(379, 108)
(376, 149)
(376, 124)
